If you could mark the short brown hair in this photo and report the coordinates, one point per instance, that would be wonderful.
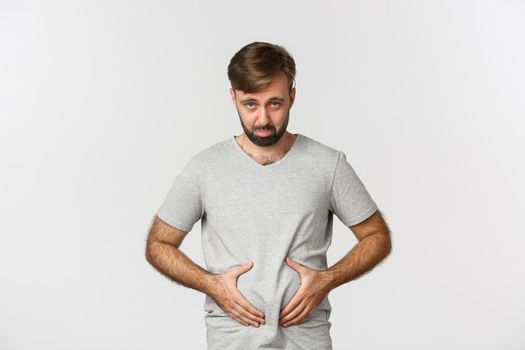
(253, 66)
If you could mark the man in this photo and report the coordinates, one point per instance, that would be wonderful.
(266, 200)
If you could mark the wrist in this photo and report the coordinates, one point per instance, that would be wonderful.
(331, 279)
(209, 283)
(328, 280)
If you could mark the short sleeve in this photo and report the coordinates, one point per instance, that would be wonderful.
(350, 199)
(182, 206)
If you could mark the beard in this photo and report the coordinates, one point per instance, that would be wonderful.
(265, 141)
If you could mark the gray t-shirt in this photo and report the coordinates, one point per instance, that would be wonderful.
(263, 213)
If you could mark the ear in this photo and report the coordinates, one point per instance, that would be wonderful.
(232, 95)
(292, 97)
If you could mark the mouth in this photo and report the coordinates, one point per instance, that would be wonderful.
(264, 132)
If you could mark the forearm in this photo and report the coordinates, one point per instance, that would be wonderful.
(174, 264)
(363, 257)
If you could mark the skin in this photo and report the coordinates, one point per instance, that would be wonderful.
(163, 253)
(373, 246)
(259, 111)
(267, 109)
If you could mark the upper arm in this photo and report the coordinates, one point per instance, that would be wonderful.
(162, 232)
(372, 225)
(183, 207)
(350, 200)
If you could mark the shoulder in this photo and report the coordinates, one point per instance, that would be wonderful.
(208, 156)
(319, 151)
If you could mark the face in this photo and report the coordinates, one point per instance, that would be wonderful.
(264, 114)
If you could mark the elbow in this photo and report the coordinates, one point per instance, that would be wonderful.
(387, 243)
(149, 252)
(384, 243)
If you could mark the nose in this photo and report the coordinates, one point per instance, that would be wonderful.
(263, 117)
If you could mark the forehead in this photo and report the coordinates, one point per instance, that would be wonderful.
(275, 90)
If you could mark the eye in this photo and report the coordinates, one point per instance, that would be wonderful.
(276, 104)
(247, 105)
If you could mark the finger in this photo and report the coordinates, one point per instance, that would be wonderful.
(293, 264)
(238, 317)
(250, 310)
(246, 316)
(299, 319)
(241, 299)
(292, 304)
(294, 313)
(242, 269)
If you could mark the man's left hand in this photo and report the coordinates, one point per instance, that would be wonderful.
(314, 287)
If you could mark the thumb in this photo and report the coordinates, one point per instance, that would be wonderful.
(243, 268)
(294, 265)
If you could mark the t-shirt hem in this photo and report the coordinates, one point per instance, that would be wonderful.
(361, 217)
(173, 223)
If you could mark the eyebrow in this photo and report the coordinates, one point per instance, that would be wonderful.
(274, 98)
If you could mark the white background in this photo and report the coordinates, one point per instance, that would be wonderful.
(103, 102)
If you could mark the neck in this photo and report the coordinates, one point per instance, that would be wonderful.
(270, 154)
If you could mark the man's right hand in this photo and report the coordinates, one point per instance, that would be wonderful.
(225, 293)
